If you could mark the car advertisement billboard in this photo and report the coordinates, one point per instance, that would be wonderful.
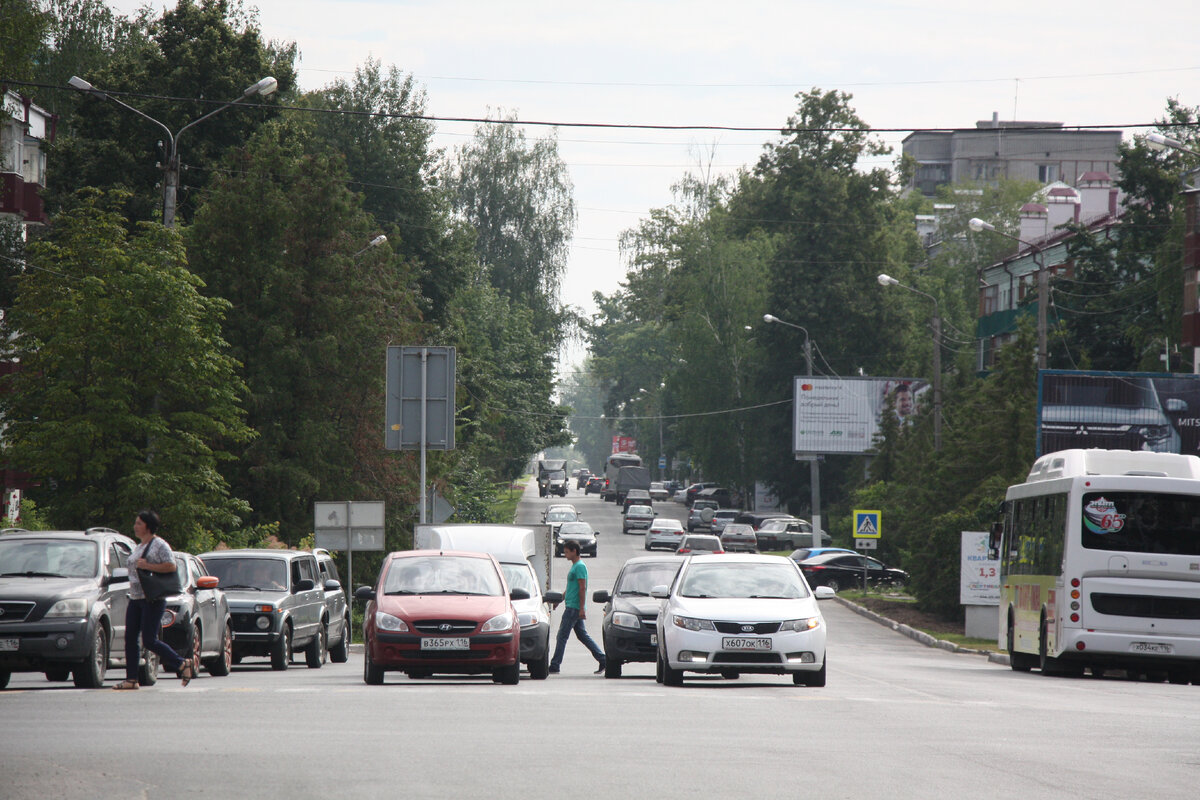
(1152, 411)
(841, 415)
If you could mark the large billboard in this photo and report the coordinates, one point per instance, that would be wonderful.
(841, 415)
(1118, 411)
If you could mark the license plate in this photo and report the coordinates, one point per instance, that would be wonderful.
(1160, 648)
(654, 639)
(439, 643)
(9, 645)
(745, 643)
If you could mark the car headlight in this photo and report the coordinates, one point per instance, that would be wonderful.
(1154, 433)
(801, 625)
(527, 619)
(70, 607)
(168, 618)
(691, 624)
(500, 622)
(386, 622)
(624, 620)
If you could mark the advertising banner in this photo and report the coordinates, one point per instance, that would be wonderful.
(979, 576)
(1118, 411)
(624, 444)
(841, 415)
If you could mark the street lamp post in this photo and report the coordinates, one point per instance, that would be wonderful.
(977, 224)
(262, 88)
(888, 280)
(814, 463)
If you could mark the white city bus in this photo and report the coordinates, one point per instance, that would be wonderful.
(1100, 565)
(612, 466)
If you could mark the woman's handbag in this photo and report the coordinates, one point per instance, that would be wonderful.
(157, 585)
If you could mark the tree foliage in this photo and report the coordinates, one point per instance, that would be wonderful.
(126, 396)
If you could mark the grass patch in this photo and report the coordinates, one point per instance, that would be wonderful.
(505, 500)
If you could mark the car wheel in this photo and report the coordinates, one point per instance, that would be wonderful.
(340, 653)
(509, 676)
(89, 673)
(834, 583)
(58, 674)
(647, 547)
(221, 665)
(671, 677)
(372, 675)
(612, 668)
(281, 651)
(811, 678)
(4, 676)
(658, 676)
(197, 642)
(148, 670)
(731, 675)
(540, 669)
(314, 654)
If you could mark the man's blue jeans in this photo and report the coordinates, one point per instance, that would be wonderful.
(571, 622)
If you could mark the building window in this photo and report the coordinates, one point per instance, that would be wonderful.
(1047, 173)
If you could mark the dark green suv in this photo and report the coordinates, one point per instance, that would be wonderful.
(63, 596)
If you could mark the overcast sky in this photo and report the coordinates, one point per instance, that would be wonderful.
(914, 64)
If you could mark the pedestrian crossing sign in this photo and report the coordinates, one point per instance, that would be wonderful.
(866, 525)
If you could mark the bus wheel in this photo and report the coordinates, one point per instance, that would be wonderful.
(1053, 666)
(1020, 662)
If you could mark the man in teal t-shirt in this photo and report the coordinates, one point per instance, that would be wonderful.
(574, 598)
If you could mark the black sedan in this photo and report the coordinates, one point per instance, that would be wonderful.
(631, 614)
(196, 622)
(579, 532)
(844, 570)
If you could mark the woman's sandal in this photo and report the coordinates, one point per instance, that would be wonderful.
(126, 685)
(186, 673)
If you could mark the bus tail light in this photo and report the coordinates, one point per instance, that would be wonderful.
(1080, 646)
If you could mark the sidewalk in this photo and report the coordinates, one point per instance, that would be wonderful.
(921, 636)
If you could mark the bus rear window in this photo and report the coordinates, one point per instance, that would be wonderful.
(1141, 522)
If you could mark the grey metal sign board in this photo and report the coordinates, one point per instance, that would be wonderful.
(353, 525)
(419, 377)
(366, 538)
(332, 539)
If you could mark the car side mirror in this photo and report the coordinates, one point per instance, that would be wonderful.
(304, 585)
(207, 582)
(824, 593)
(518, 594)
(662, 592)
(332, 586)
(364, 593)
(601, 596)
(119, 575)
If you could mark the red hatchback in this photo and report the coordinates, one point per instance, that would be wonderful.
(436, 611)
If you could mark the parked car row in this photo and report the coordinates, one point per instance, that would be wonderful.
(63, 597)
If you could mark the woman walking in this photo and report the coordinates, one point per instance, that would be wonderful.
(143, 617)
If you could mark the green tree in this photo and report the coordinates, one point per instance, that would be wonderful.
(22, 27)
(127, 396)
(279, 236)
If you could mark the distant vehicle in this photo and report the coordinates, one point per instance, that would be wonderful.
(595, 485)
(721, 518)
(740, 613)
(196, 623)
(277, 603)
(631, 614)
(699, 544)
(658, 491)
(701, 514)
(581, 480)
(579, 532)
(637, 518)
(696, 488)
(739, 536)
(433, 611)
(552, 477)
(631, 479)
(788, 533)
(558, 514)
(612, 466)
(843, 570)
(722, 496)
(636, 497)
(664, 532)
(336, 607)
(808, 552)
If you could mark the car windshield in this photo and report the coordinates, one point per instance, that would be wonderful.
(575, 529)
(520, 576)
(49, 558)
(442, 575)
(257, 574)
(742, 580)
(560, 516)
(640, 511)
(639, 579)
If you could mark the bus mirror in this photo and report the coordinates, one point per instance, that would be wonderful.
(994, 540)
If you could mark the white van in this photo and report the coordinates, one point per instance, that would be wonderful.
(515, 547)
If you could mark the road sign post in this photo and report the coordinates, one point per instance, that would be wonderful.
(867, 531)
(349, 525)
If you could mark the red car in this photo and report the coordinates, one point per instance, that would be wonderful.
(436, 611)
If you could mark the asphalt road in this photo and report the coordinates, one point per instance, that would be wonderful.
(897, 720)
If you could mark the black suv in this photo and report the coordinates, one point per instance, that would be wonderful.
(63, 596)
(277, 602)
(336, 609)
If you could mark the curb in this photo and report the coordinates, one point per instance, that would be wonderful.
(921, 636)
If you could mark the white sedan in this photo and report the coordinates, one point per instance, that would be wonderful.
(665, 533)
(741, 613)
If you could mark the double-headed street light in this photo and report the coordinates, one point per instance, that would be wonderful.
(888, 280)
(977, 225)
(262, 88)
(814, 463)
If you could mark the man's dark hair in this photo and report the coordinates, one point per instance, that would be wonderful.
(571, 545)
